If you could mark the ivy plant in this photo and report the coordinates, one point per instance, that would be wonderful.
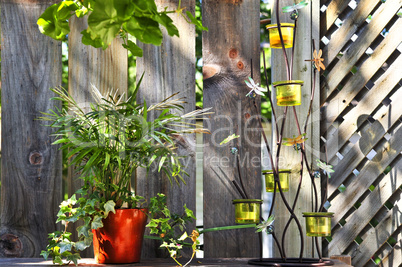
(108, 19)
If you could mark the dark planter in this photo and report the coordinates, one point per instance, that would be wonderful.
(120, 238)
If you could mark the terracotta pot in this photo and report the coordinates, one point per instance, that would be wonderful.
(120, 238)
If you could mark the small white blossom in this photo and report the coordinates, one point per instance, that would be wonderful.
(255, 88)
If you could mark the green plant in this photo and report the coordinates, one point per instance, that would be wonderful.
(108, 19)
(106, 145)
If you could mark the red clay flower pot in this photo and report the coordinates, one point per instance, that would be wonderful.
(120, 238)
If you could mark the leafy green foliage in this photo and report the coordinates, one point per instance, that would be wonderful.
(105, 145)
(109, 19)
(163, 224)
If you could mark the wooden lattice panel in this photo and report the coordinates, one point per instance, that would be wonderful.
(361, 127)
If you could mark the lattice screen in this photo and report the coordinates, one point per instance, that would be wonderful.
(361, 129)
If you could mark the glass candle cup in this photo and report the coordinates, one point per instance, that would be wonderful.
(318, 223)
(287, 35)
(288, 93)
(247, 211)
(283, 180)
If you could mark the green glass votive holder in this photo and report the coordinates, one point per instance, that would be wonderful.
(288, 93)
(247, 211)
(318, 223)
(283, 180)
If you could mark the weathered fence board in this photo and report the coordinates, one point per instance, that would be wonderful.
(364, 74)
(376, 237)
(355, 155)
(342, 203)
(348, 29)
(380, 19)
(383, 86)
(228, 48)
(88, 66)
(363, 215)
(306, 32)
(332, 12)
(362, 129)
(170, 69)
(31, 166)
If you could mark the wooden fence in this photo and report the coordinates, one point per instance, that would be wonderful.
(361, 128)
(364, 106)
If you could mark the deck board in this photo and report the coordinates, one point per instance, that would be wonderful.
(38, 262)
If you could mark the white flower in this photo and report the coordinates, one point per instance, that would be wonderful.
(255, 88)
(266, 225)
(327, 169)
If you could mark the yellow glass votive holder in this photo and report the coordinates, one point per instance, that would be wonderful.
(288, 93)
(283, 180)
(247, 211)
(287, 35)
(318, 223)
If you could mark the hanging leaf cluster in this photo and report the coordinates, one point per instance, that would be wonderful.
(108, 19)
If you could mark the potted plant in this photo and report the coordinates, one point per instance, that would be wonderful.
(106, 145)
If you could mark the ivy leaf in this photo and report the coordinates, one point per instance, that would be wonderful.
(83, 230)
(109, 207)
(57, 260)
(97, 222)
(80, 245)
(189, 212)
(65, 246)
(45, 254)
(134, 49)
(74, 258)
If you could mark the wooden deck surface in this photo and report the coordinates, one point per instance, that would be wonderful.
(146, 262)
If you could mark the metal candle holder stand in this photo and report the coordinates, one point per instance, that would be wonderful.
(283, 260)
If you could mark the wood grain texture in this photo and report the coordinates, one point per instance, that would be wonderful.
(105, 69)
(365, 72)
(239, 262)
(348, 28)
(349, 59)
(334, 9)
(169, 69)
(372, 100)
(371, 133)
(342, 237)
(228, 48)
(31, 166)
(378, 236)
(342, 203)
(307, 29)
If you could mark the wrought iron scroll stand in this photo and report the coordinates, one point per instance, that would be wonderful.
(284, 260)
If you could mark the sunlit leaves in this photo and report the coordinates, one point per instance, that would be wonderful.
(110, 19)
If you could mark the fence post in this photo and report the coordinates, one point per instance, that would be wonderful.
(307, 29)
(168, 69)
(87, 66)
(31, 166)
(230, 54)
